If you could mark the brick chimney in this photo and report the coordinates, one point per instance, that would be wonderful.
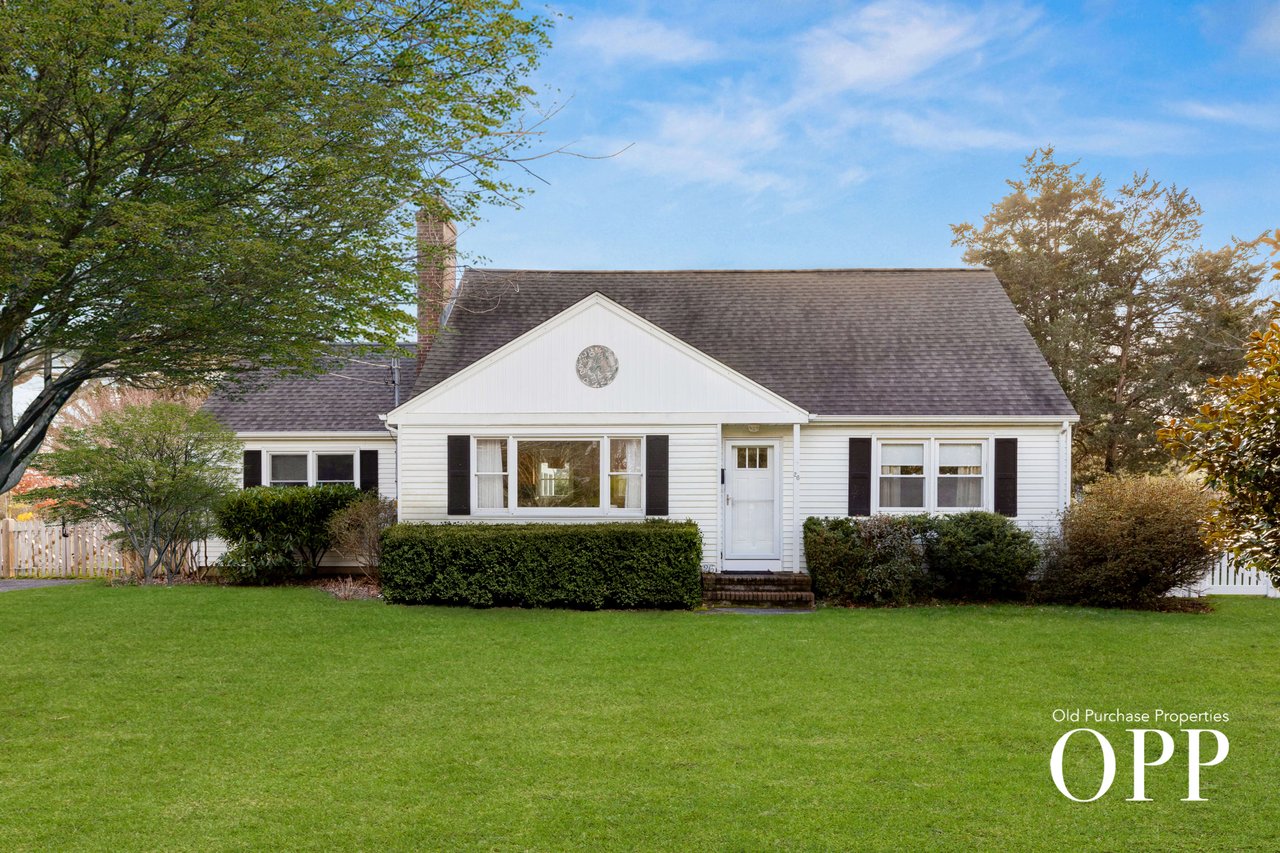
(437, 274)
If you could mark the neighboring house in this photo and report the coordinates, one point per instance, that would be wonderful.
(744, 400)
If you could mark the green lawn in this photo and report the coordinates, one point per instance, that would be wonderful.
(219, 718)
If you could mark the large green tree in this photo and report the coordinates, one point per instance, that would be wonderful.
(1131, 312)
(189, 186)
(1233, 441)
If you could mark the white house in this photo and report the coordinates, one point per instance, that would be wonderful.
(744, 400)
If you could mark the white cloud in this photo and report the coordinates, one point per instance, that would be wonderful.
(852, 176)
(712, 145)
(1264, 37)
(942, 132)
(1245, 115)
(641, 39)
(890, 42)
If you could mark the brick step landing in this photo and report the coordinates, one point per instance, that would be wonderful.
(757, 589)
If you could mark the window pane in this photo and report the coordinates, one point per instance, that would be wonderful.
(491, 455)
(902, 459)
(289, 469)
(960, 492)
(335, 468)
(902, 492)
(960, 459)
(558, 473)
(624, 454)
(742, 457)
(762, 459)
(624, 491)
(491, 491)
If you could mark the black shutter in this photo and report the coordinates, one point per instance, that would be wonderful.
(1007, 476)
(656, 466)
(252, 468)
(368, 470)
(459, 475)
(860, 476)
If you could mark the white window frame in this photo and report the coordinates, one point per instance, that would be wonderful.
(269, 480)
(513, 510)
(355, 466)
(931, 445)
(985, 466)
(925, 460)
(312, 463)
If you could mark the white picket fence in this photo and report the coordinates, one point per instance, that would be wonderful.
(1226, 579)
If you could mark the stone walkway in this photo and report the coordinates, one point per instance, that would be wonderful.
(9, 585)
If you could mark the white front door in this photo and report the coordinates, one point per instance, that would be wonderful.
(753, 518)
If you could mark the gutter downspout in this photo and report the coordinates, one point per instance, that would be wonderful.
(1064, 466)
(395, 433)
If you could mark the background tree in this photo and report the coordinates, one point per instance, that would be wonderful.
(1130, 311)
(1234, 441)
(95, 400)
(188, 187)
(154, 471)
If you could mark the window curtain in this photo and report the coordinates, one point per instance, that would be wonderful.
(632, 451)
(491, 479)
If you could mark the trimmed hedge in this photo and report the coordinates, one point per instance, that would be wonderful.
(877, 560)
(980, 556)
(651, 564)
(275, 533)
(897, 559)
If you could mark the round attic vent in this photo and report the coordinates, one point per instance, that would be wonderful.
(597, 366)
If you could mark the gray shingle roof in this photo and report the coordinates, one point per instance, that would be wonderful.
(854, 342)
(348, 398)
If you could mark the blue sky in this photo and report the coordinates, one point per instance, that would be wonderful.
(803, 134)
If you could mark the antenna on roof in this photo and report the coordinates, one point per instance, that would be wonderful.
(395, 378)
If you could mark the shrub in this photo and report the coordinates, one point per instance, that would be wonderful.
(356, 530)
(154, 471)
(277, 532)
(980, 556)
(256, 563)
(877, 560)
(653, 564)
(1129, 543)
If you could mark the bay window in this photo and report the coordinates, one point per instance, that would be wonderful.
(558, 475)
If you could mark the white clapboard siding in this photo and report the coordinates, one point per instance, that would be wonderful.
(824, 465)
(214, 547)
(694, 473)
(533, 379)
